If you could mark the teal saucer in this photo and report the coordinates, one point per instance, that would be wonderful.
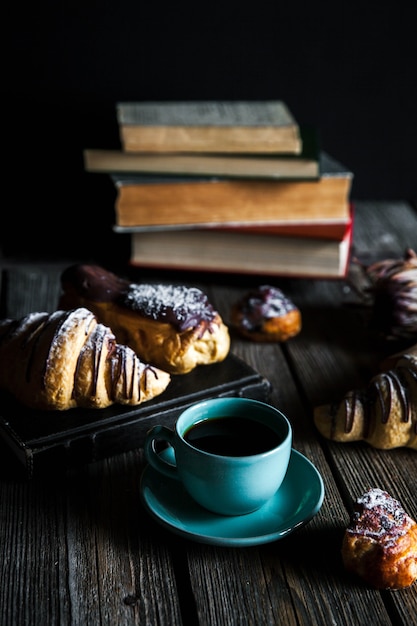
(298, 499)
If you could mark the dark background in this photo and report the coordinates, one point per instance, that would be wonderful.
(350, 71)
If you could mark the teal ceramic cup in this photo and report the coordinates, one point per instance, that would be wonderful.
(231, 454)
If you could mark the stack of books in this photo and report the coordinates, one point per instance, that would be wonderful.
(236, 187)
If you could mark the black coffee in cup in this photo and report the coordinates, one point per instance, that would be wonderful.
(232, 436)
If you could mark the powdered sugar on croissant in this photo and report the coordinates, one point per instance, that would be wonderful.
(67, 359)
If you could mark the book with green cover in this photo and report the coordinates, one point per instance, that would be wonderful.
(208, 126)
(305, 165)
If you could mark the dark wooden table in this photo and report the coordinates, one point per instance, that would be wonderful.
(79, 548)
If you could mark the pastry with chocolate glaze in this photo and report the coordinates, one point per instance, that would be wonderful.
(380, 543)
(266, 314)
(172, 327)
(67, 359)
(384, 414)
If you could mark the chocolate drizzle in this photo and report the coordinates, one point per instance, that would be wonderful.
(118, 371)
(131, 390)
(393, 285)
(350, 403)
(388, 397)
(180, 306)
(412, 372)
(350, 408)
(263, 303)
(97, 341)
(396, 385)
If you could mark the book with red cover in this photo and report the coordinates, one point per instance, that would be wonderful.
(326, 229)
(244, 251)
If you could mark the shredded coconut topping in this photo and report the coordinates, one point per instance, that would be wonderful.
(178, 305)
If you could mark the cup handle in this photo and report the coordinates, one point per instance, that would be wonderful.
(160, 433)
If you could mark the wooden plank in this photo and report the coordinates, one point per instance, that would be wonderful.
(384, 229)
(81, 547)
(28, 288)
(77, 549)
(82, 552)
(314, 584)
(346, 359)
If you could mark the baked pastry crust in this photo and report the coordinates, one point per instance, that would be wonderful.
(380, 544)
(67, 359)
(384, 414)
(172, 327)
(266, 314)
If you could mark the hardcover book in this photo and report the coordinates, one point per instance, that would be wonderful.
(242, 251)
(208, 126)
(303, 166)
(190, 201)
(324, 229)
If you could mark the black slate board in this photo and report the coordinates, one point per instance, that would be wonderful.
(45, 440)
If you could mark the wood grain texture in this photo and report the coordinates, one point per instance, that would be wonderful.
(78, 547)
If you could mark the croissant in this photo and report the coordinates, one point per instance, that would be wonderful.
(384, 414)
(67, 359)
